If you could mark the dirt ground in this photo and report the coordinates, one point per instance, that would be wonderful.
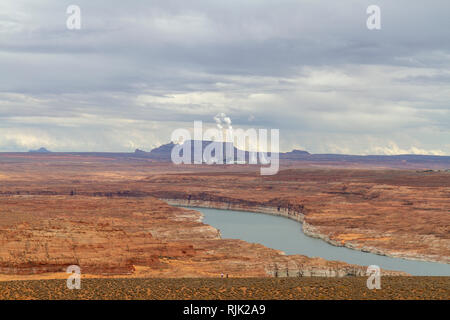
(392, 288)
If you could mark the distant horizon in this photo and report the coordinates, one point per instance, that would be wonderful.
(149, 150)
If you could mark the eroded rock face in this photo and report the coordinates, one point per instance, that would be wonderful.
(48, 233)
(40, 234)
(400, 214)
(101, 212)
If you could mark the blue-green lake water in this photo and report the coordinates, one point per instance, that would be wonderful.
(285, 234)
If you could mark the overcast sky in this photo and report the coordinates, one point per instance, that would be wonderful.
(139, 69)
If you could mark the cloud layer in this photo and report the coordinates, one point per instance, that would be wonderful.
(137, 70)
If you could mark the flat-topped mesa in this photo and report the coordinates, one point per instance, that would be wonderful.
(295, 155)
(227, 149)
(40, 150)
(229, 153)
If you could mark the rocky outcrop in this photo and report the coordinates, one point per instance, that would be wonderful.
(41, 234)
(291, 212)
(313, 231)
(135, 237)
(393, 212)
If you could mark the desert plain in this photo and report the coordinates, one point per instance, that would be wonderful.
(113, 216)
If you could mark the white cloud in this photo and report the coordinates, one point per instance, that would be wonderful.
(311, 69)
(392, 149)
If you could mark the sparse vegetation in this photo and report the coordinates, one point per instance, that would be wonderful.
(227, 289)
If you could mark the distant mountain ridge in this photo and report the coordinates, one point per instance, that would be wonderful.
(40, 150)
(163, 153)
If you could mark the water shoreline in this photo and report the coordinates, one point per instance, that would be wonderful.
(307, 228)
